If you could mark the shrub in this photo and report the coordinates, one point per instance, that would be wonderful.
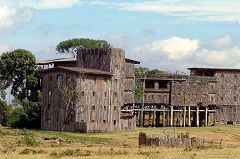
(17, 118)
(3, 113)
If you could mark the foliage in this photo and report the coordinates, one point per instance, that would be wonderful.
(29, 140)
(33, 113)
(3, 112)
(17, 118)
(155, 72)
(17, 67)
(71, 45)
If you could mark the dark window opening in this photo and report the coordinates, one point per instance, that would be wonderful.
(93, 107)
(104, 121)
(163, 84)
(235, 87)
(105, 94)
(115, 108)
(94, 93)
(149, 84)
(235, 98)
(115, 94)
(105, 107)
(221, 98)
(114, 122)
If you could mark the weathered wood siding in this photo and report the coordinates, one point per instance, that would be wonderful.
(53, 108)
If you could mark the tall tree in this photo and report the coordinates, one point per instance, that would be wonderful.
(17, 68)
(70, 46)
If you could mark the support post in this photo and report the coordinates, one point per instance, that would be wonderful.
(171, 116)
(184, 116)
(206, 116)
(142, 113)
(154, 117)
(164, 116)
(197, 116)
(189, 116)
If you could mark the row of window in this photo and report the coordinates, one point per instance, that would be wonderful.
(104, 108)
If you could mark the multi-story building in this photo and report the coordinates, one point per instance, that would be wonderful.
(177, 100)
(105, 80)
(228, 92)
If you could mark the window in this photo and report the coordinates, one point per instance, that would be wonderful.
(92, 121)
(235, 98)
(82, 93)
(105, 94)
(149, 84)
(235, 76)
(116, 81)
(60, 81)
(163, 84)
(221, 98)
(235, 87)
(105, 107)
(115, 108)
(49, 99)
(94, 94)
(104, 121)
(93, 107)
(114, 122)
(115, 94)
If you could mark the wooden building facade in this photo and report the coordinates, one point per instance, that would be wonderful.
(103, 77)
(177, 100)
(228, 92)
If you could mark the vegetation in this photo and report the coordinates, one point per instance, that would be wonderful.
(17, 69)
(70, 97)
(70, 46)
(3, 112)
(52, 144)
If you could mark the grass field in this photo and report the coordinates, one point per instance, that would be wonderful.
(26, 144)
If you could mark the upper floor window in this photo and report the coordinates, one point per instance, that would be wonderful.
(60, 80)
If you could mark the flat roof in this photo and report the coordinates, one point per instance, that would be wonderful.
(214, 69)
(132, 61)
(44, 62)
(79, 70)
(174, 77)
(52, 61)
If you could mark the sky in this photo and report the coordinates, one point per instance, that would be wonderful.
(170, 35)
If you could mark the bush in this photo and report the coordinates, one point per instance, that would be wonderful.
(17, 118)
(3, 113)
(33, 112)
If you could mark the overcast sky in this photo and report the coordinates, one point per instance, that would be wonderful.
(165, 34)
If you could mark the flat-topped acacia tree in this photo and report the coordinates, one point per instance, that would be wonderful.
(70, 46)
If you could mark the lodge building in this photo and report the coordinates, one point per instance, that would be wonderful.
(106, 81)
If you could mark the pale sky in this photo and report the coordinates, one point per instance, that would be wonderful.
(165, 34)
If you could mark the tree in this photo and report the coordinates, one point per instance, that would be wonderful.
(70, 97)
(70, 46)
(17, 69)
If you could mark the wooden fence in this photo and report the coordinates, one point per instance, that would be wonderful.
(167, 140)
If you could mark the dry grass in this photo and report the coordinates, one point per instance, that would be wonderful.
(117, 145)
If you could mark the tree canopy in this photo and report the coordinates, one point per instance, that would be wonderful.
(17, 69)
(70, 46)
